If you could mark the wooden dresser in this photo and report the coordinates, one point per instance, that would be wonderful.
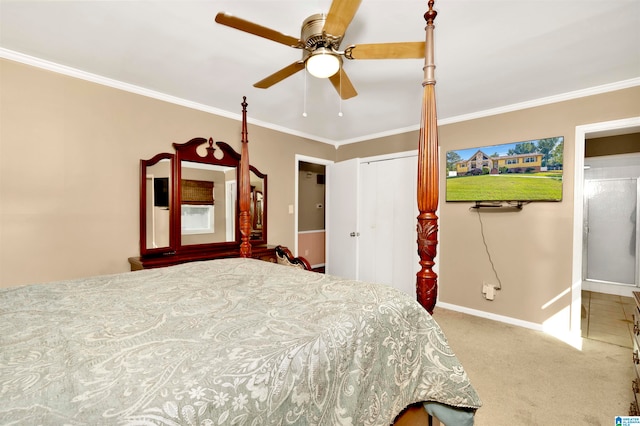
(634, 409)
(262, 252)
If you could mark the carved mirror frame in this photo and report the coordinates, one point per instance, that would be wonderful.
(149, 206)
(206, 152)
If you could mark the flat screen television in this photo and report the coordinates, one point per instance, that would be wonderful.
(511, 172)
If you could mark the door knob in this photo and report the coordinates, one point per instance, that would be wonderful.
(354, 234)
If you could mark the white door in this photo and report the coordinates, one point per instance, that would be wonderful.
(342, 219)
(388, 211)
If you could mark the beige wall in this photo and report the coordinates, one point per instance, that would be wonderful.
(390, 144)
(532, 249)
(69, 153)
(69, 170)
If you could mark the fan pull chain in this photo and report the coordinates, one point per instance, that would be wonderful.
(340, 102)
(304, 97)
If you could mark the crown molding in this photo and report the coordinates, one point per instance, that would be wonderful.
(132, 88)
(83, 75)
(596, 90)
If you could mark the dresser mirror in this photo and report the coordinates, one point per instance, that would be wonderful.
(156, 179)
(209, 169)
(199, 211)
(208, 199)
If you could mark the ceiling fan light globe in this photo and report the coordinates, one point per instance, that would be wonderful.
(323, 64)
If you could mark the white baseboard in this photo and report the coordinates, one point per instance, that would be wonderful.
(617, 289)
(489, 315)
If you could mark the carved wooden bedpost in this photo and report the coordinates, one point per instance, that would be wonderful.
(427, 280)
(245, 188)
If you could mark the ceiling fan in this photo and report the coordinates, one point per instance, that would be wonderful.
(320, 39)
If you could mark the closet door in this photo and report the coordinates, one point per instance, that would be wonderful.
(388, 250)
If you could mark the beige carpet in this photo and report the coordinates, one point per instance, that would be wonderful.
(526, 377)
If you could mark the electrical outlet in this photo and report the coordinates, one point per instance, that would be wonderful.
(488, 290)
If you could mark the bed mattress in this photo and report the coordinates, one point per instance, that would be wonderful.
(228, 341)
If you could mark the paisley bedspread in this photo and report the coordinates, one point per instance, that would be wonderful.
(229, 341)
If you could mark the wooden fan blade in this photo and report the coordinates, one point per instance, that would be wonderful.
(409, 50)
(280, 75)
(255, 29)
(343, 85)
(340, 15)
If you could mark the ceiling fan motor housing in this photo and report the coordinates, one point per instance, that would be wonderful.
(314, 39)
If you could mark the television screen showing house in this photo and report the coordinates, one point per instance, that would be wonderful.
(519, 171)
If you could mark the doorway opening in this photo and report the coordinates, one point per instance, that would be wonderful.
(584, 132)
(310, 206)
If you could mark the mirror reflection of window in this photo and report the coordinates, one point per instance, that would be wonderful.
(203, 187)
(197, 219)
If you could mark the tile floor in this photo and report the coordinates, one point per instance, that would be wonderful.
(608, 318)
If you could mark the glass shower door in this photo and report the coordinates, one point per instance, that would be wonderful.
(610, 223)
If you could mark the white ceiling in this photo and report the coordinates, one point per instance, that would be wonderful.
(489, 54)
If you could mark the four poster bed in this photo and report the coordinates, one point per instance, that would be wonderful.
(236, 340)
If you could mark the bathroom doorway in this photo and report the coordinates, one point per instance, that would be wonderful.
(584, 133)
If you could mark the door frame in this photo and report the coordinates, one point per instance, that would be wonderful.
(605, 128)
(312, 160)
